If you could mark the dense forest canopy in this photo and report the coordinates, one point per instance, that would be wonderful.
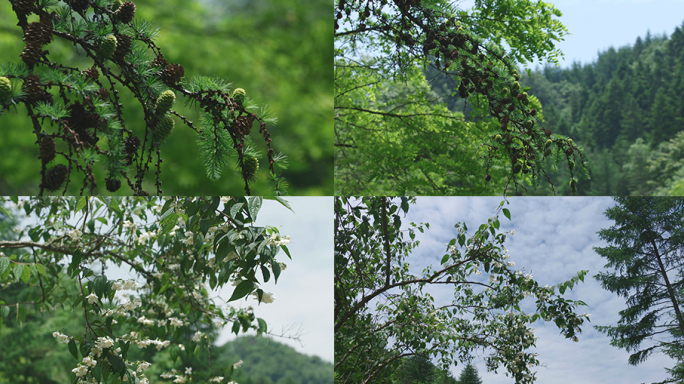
(625, 109)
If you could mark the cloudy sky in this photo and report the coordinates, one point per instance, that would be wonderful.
(553, 238)
(596, 25)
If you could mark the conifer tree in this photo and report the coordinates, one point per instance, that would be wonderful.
(77, 116)
(469, 375)
(645, 249)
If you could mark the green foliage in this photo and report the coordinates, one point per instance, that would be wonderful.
(382, 314)
(61, 294)
(645, 249)
(244, 43)
(395, 136)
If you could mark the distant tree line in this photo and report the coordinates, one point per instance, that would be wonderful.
(624, 109)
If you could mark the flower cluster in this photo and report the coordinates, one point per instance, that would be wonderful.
(62, 338)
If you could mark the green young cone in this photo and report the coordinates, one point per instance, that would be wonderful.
(165, 101)
(5, 89)
(164, 127)
(108, 46)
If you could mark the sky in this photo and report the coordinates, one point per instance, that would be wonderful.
(596, 25)
(554, 238)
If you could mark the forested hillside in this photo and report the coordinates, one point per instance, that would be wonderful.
(624, 109)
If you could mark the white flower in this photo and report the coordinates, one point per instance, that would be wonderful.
(492, 278)
(237, 365)
(197, 337)
(179, 379)
(182, 347)
(130, 284)
(188, 371)
(62, 338)
(118, 285)
(75, 234)
(128, 225)
(145, 321)
(510, 263)
(89, 361)
(225, 199)
(92, 298)
(266, 298)
(157, 209)
(277, 239)
(216, 379)
(175, 322)
(80, 371)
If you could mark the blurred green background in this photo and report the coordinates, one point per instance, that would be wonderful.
(279, 51)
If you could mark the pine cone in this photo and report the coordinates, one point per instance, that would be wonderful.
(108, 45)
(91, 74)
(163, 128)
(47, 149)
(103, 93)
(160, 62)
(126, 12)
(251, 166)
(31, 54)
(165, 102)
(38, 33)
(112, 184)
(5, 88)
(33, 88)
(131, 143)
(239, 95)
(23, 7)
(79, 5)
(123, 47)
(173, 74)
(54, 177)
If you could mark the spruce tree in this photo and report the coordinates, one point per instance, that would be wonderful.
(645, 249)
(469, 375)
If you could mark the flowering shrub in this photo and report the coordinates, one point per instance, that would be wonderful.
(167, 305)
(371, 270)
(77, 114)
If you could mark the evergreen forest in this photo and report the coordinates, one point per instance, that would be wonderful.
(624, 110)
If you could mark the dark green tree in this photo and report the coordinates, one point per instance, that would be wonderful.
(645, 249)
(469, 375)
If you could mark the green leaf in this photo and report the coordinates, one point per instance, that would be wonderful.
(40, 268)
(73, 349)
(282, 202)
(445, 258)
(4, 311)
(169, 222)
(18, 270)
(197, 351)
(263, 327)
(118, 365)
(242, 290)
(4, 264)
(254, 206)
(81, 203)
(276, 270)
(235, 209)
(5, 212)
(507, 213)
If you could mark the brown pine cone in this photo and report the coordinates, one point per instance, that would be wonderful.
(173, 74)
(160, 62)
(33, 88)
(55, 177)
(126, 12)
(46, 149)
(112, 184)
(31, 54)
(79, 5)
(91, 74)
(123, 47)
(23, 7)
